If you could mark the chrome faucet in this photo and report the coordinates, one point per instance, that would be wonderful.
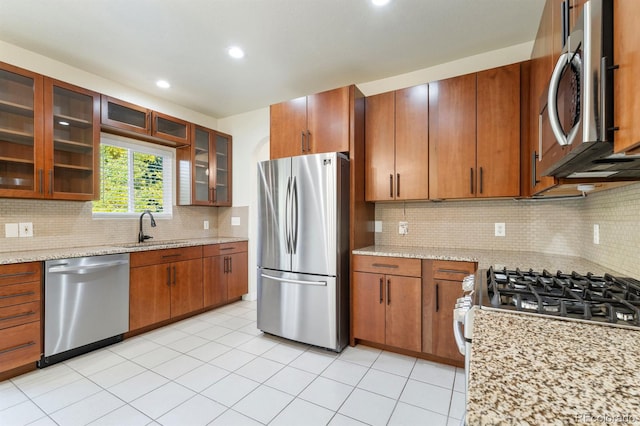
(141, 237)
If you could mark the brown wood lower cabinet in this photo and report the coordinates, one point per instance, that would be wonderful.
(164, 284)
(225, 272)
(441, 287)
(20, 321)
(386, 306)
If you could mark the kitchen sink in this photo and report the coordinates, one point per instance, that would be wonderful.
(168, 243)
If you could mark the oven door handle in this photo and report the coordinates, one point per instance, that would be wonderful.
(566, 59)
(457, 332)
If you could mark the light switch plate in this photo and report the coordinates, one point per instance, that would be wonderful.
(377, 226)
(500, 229)
(235, 221)
(206, 224)
(596, 234)
(403, 228)
(11, 230)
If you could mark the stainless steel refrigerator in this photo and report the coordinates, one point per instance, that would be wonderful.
(303, 249)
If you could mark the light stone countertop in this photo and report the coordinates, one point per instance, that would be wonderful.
(64, 253)
(487, 258)
(529, 370)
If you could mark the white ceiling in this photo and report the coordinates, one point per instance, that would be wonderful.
(293, 47)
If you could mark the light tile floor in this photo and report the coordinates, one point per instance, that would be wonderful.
(217, 368)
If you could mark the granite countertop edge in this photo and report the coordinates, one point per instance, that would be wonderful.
(486, 258)
(7, 258)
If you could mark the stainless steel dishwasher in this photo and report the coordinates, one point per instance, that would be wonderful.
(86, 305)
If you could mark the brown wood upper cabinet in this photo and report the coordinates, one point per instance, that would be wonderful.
(49, 137)
(626, 86)
(397, 145)
(204, 169)
(128, 119)
(311, 124)
(474, 135)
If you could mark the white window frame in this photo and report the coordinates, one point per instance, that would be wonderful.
(168, 175)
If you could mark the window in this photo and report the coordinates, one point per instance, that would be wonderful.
(134, 177)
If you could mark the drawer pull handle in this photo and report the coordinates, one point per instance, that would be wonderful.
(453, 271)
(227, 248)
(9, 296)
(164, 256)
(17, 274)
(24, 314)
(17, 348)
(384, 265)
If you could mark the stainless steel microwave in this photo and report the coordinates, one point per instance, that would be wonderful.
(576, 120)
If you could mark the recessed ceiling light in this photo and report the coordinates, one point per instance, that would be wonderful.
(163, 84)
(380, 2)
(235, 52)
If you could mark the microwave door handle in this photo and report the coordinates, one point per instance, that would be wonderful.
(566, 59)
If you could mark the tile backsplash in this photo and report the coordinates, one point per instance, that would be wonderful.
(554, 227)
(63, 224)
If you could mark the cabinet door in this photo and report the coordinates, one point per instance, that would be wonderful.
(368, 307)
(215, 281)
(186, 287)
(444, 343)
(170, 128)
(328, 121)
(237, 275)
(125, 116)
(498, 132)
(202, 169)
(149, 295)
(626, 85)
(21, 133)
(72, 141)
(222, 171)
(380, 147)
(412, 143)
(288, 128)
(452, 137)
(403, 312)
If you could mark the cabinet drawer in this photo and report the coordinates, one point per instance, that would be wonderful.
(222, 249)
(452, 270)
(154, 257)
(19, 314)
(19, 345)
(388, 265)
(19, 273)
(19, 293)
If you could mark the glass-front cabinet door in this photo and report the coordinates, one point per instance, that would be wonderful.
(21, 174)
(72, 135)
(202, 176)
(222, 191)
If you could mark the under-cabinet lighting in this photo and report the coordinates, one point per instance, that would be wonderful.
(235, 52)
(63, 123)
(163, 84)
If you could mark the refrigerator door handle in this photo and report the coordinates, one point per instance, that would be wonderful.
(294, 218)
(287, 231)
(286, 280)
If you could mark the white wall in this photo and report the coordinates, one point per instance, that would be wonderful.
(31, 61)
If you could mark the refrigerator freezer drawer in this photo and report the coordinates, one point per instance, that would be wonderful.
(299, 307)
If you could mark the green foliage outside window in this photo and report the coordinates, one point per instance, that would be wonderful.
(130, 181)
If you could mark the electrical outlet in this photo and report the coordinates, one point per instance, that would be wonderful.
(377, 226)
(26, 229)
(235, 221)
(500, 229)
(403, 228)
(11, 230)
(206, 224)
(596, 234)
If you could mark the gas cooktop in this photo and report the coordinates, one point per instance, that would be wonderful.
(602, 299)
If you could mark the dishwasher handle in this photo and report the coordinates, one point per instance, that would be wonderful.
(84, 269)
